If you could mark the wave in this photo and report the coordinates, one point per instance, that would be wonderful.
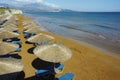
(75, 28)
(104, 26)
(101, 36)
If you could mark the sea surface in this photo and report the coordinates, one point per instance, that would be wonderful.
(99, 29)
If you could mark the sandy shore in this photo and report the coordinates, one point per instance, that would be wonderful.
(87, 63)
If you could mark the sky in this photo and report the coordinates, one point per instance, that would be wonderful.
(77, 5)
(88, 5)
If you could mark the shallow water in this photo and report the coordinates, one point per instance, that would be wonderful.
(99, 29)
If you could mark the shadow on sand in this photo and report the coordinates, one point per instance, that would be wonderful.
(31, 50)
(28, 42)
(13, 76)
(50, 77)
(40, 64)
(17, 56)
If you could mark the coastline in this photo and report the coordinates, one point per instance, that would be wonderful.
(102, 42)
(93, 44)
(84, 44)
(87, 63)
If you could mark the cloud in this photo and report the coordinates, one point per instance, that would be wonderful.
(50, 4)
(23, 2)
(30, 1)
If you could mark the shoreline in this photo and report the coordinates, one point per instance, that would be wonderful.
(94, 40)
(83, 49)
(108, 50)
(94, 46)
(85, 44)
(87, 63)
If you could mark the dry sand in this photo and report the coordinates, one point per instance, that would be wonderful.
(87, 63)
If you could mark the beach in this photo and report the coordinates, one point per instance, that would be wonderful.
(87, 62)
(99, 29)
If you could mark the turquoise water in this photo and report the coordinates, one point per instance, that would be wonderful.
(99, 29)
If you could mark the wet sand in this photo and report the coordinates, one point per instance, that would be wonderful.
(87, 63)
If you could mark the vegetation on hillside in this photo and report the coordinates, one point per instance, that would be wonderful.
(3, 9)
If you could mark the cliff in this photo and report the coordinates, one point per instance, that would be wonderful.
(9, 11)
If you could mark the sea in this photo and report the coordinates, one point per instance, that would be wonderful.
(98, 29)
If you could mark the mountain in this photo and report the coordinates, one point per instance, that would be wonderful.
(39, 7)
(36, 7)
(32, 7)
(3, 5)
(67, 10)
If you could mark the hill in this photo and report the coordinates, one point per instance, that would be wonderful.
(7, 10)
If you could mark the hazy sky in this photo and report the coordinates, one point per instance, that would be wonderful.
(88, 5)
(79, 5)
